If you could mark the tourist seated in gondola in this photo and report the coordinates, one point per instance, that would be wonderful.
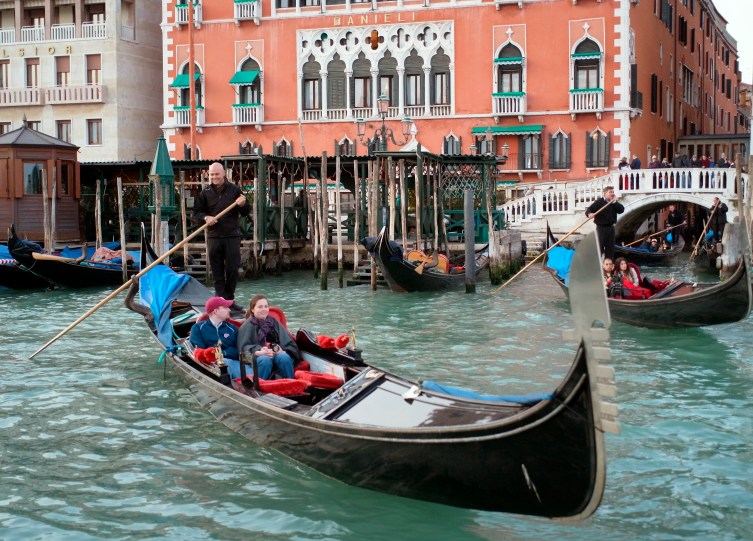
(607, 266)
(265, 338)
(650, 245)
(626, 282)
(625, 271)
(216, 328)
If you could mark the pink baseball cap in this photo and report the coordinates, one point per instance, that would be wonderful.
(215, 302)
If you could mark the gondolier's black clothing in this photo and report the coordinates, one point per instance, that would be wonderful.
(605, 221)
(212, 201)
(223, 238)
(718, 221)
(607, 216)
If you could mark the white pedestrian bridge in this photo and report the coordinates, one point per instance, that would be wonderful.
(643, 192)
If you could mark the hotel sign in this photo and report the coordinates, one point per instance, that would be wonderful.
(374, 18)
(35, 51)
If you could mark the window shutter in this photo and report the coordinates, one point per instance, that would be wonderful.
(352, 83)
(337, 148)
(552, 163)
(654, 91)
(521, 153)
(290, 149)
(588, 150)
(567, 151)
(459, 146)
(607, 150)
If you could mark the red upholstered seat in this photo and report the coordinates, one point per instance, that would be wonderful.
(281, 387)
(322, 381)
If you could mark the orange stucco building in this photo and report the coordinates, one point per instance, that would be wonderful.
(563, 87)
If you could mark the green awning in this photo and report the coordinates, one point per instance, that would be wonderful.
(509, 60)
(582, 56)
(244, 77)
(181, 81)
(513, 130)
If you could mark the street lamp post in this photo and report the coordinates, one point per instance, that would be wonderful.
(383, 133)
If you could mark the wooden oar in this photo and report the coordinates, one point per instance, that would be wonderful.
(703, 234)
(654, 234)
(521, 271)
(128, 283)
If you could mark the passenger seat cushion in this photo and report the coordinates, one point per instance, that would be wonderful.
(322, 381)
(281, 387)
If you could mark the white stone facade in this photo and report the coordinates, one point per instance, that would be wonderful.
(125, 96)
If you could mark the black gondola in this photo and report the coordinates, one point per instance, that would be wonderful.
(679, 304)
(13, 275)
(541, 455)
(646, 257)
(73, 272)
(402, 274)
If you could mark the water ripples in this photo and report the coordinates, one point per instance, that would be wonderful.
(97, 442)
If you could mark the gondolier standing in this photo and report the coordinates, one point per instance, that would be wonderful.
(605, 218)
(223, 235)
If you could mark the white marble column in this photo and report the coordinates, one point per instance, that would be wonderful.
(324, 75)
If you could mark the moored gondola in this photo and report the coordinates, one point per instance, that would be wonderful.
(13, 275)
(541, 455)
(72, 268)
(403, 273)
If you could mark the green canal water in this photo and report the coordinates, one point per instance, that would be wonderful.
(98, 442)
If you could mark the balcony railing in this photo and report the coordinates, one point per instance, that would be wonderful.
(32, 33)
(312, 114)
(414, 111)
(127, 33)
(246, 9)
(183, 116)
(337, 114)
(586, 100)
(439, 110)
(7, 36)
(20, 96)
(181, 13)
(94, 30)
(75, 94)
(248, 113)
(509, 103)
(63, 31)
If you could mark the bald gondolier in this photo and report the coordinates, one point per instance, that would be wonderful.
(223, 235)
(605, 218)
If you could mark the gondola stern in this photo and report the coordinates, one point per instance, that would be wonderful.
(592, 321)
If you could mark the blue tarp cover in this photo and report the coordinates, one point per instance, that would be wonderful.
(525, 399)
(559, 259)
(157, 289)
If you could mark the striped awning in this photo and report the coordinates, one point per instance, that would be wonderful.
(509, 60)
(585, 56)
(512, 130)
(244, 77)
(181, 81)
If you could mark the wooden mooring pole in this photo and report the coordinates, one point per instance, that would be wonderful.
(470, 259)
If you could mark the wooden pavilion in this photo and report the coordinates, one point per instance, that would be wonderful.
(34, 165)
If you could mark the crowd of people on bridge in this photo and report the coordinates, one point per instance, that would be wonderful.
(678, 161)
